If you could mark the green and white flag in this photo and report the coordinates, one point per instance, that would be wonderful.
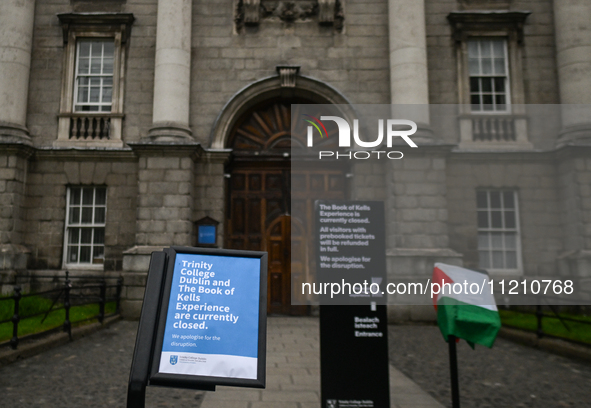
(470, 313)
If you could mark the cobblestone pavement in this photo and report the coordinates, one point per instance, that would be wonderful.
(508, 375)
(93, 372)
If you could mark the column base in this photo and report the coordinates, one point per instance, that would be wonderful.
(13, 133)
(169, 132)
(579, 134)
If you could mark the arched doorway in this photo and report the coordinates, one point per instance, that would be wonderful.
(259, 197)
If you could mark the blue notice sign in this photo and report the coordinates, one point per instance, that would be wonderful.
(212, 324)
(206, 234)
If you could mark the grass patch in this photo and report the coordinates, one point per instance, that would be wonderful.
(36, 304)
(550, 325)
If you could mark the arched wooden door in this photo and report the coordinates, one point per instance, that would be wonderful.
(259, 198)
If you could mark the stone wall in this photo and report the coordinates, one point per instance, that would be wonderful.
(45, 205)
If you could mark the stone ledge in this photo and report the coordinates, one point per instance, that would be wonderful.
(32, 347)
(555, 346)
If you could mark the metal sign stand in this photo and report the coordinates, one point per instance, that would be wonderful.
(453, 368)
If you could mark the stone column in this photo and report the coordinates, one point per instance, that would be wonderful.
(572, 19)
(172, 71)
(16, 34)
(409, 80)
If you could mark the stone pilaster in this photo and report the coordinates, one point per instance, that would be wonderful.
(166, 180)
(172, 76)
(572, 21)
(16, 34)
(417, 223)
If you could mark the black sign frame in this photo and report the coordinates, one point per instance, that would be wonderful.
(150, 335)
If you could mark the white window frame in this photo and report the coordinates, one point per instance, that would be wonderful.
(508, 129)
(506, 76)
(101, 76)
(78, 27)
(70, 225)
(518, 271)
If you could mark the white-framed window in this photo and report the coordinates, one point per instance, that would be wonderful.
(488, 69)
(86, 215)
(93, 86)
(93, 79)
(499, 245)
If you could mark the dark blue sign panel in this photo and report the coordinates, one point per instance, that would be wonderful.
(212, 323)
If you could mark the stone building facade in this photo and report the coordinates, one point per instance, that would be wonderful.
(120, 124)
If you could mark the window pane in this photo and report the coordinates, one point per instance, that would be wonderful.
(99, 215)
(487, 101)
(486, 84)
(499, 66)
(473, 48)
(498, 48)
(97, 256)
(101, 196)
(84, 254)
(74, 235)
(74, 215)
(108, 66)
(83, 66)
(475, 101)
(95, 66)
(108, 81)
(86, 236)
(511, 259)
(497, 260)
(483, 259)
(86, 215)
(481, 200)
(486, 48)
(509, 219)
(87, 194)
(94, 94)
(106, 108)
(495, 219)
(473, 66)
(75, 196)
(84, 48)
(82, 94)
(482, 219)
(99, 235)
(496, 240)
(495, 199)
(107, 95)
(474, 84)
(72, 254)
(486, 64)
(500, 102)
(508, 199)
(499, 85)
(97, 48)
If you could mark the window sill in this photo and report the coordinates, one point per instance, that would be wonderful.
(493, 131)
(85, 267)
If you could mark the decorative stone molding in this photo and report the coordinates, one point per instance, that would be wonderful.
(326, 11)
(288, 74)
(252, 12)
(508, 22)
(108, 22)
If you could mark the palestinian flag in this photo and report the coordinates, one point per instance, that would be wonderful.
(472, 314)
